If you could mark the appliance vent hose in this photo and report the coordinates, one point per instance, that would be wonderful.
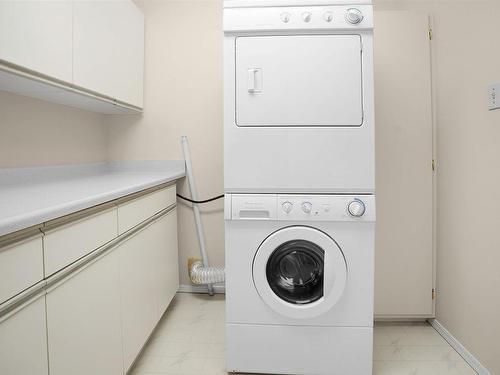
(199, 274)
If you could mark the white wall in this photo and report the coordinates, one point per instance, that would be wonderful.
(182, 96)
(33, 132)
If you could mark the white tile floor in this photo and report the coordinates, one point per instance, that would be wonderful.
(190, 340)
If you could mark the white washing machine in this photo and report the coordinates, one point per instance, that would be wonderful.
(299, 283)
(298, 96)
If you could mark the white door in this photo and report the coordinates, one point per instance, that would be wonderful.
(167, 260)
(304, 80)
(138, 290)
(299, 272)
(108, 49)
(23, 340)
(83, 320)
(36, 35)
(404, 177)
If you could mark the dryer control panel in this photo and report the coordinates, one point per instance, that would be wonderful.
(287, 207)
(336, 17)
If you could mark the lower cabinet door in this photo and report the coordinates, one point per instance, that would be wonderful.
(23, 340)
(139, 297)
(167, 260)
(83, 319)
(149, 279)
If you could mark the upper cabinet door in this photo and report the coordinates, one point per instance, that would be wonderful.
(108, 49)
(37, 35)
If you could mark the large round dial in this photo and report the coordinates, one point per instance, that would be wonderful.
(356, 208)
(353, 16)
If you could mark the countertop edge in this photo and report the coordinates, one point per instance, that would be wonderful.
(29, 219)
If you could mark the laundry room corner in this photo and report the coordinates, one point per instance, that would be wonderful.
(182, 96)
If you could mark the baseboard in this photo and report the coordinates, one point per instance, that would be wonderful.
(455, 344)
(188, 288)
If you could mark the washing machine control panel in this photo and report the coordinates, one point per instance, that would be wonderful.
(326, 207)
(300, 208)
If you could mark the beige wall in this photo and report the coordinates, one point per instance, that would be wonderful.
(468, 276)
(466, 56)
(33, 132)
(183, 96)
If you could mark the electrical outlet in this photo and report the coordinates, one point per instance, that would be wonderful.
(494, 96)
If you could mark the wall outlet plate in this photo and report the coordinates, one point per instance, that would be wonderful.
(494, 96)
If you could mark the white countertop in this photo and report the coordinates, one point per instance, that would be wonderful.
(31, 196)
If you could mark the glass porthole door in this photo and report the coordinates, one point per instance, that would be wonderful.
(300, 272)
(295, 271)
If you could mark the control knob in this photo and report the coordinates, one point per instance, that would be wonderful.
(306, 16)
(307, 207)
(287, 207)
(353, 16)
(285, 17)
(328, 16)
(356, 208)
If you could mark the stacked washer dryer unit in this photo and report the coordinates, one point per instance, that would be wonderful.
(299, 184)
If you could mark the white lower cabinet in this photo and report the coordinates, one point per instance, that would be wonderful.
(100, 317)
(94, 316)
(148, 281)
(138, 291)
(167, 260)
(23, 340)
(83, 320)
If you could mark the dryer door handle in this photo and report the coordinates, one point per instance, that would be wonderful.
(254, 78)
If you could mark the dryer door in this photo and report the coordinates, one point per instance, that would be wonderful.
(299, 80)
(299, 272)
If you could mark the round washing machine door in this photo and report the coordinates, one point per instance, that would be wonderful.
(300, 272)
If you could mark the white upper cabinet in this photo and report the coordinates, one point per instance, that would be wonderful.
(108, 49)
(82, 53)
(37, 36)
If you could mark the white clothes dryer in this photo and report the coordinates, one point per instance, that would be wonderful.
(299, 283)
(298, 96)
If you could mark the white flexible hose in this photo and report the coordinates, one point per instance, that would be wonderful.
(200, 274)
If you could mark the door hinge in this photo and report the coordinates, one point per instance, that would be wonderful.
(433, 294)
(433, 164)
(430, 34)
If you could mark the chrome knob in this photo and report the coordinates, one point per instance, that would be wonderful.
(307, 207)
(287, 207)
(285, 17)
(353, 16)
(356, 208)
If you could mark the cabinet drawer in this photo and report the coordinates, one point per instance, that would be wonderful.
(63, 245)
(136, 211)
(21, 266)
